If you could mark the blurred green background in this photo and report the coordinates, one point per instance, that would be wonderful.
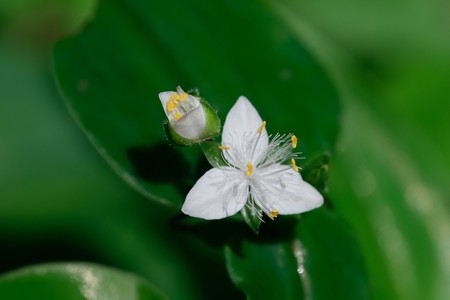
(388, 171)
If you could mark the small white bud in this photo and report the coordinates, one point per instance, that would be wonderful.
(191, 119)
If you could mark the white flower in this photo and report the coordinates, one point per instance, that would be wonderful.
(185, 113)
(255, 174)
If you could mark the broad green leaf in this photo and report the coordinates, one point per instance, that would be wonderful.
(75, 281)
(264, 270)
(111, 73)
(61, 200)
(320, 260)
(388, 180)
(329, 259)
(398, 214)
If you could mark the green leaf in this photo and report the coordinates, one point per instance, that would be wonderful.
(396, 210)
(264, 270)
(111, 73)
(320, 260)
(75, 209)
(75, 281)
(329, 259)
(390, 177)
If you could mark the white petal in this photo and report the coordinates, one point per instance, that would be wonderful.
(191, 125)
(241, 127)
(164, 97)
(283, 189)
(219, 193)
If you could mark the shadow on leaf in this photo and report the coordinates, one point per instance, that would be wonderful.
(233, 231)
(161, 164)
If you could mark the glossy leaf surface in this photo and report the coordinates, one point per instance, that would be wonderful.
(75, 281)
(319, 260)
(111, 73)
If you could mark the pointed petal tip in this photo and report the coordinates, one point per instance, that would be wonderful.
(205, 200)
(243, 101)
(311, 197)
(244, 105)
(313, 201)
(242, 121)
(318, 200)
(291, 193)
(242, 98)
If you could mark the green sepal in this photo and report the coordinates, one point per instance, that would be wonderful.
(252, 217)
(213, 154)
(213, 124)
(194, 92)
(316, 172)
(212, 128)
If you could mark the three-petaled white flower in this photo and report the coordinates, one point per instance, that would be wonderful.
(255, 174)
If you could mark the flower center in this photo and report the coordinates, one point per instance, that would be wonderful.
(279, 151)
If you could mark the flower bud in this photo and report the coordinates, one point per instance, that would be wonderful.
(190, 118)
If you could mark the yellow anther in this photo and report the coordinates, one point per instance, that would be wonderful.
(273, 214)
(249, 169)
(294, 141)
(177, 115)
(171, 105)
(262, 127)
(175, 97)
(183, 97)
(294, 165)
(224, 147)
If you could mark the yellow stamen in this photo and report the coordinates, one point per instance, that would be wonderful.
(294, 165)
(262, 127)
(183, 97)
(174, 97)
(177, 115)
(294, 141)
(224, 148)
(273, 214)
(249, 169)
(171, 105)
